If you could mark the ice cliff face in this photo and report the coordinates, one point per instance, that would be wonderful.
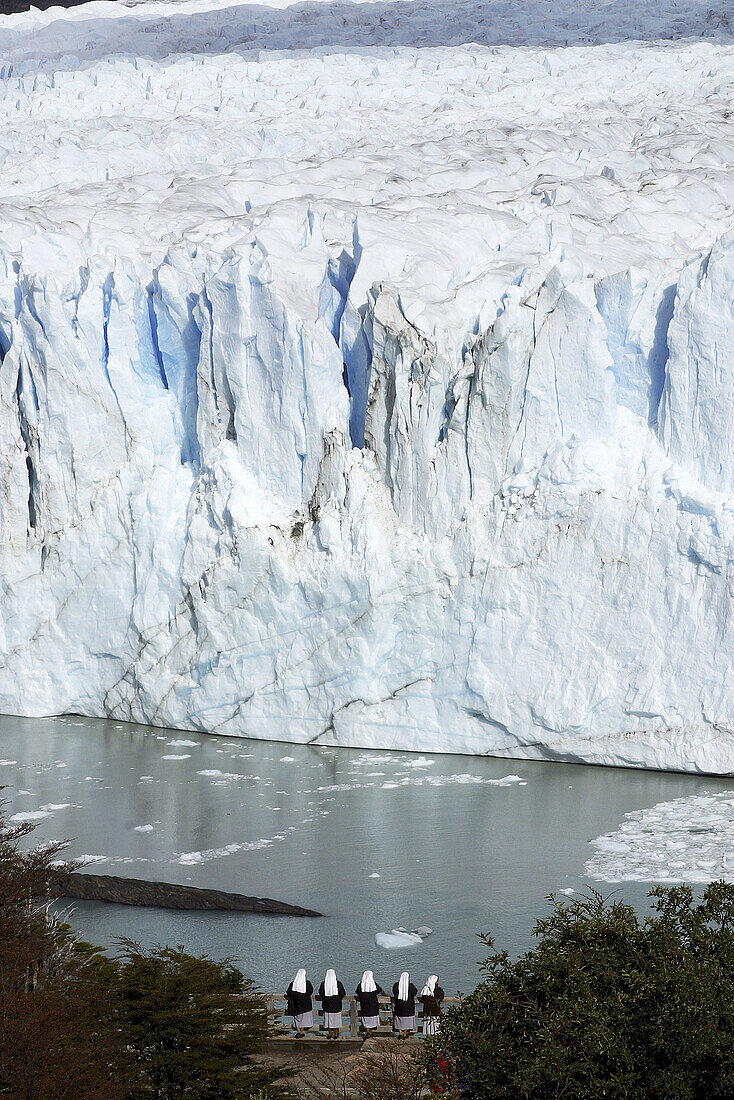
(439, 460)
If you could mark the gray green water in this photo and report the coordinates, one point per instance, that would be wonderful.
(454, 850)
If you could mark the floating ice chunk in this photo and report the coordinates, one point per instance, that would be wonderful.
(375, 875)
(143, 828)
(181, 742)
(7, 763)
(29, 815)
(191, 858)
(422, 931)
(287, 759)
(397, 939)
(217, 773)
(176, 756)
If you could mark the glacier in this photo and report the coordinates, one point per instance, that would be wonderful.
(367, 374)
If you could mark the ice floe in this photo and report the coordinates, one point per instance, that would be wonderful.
(687, 839)
(397, 939)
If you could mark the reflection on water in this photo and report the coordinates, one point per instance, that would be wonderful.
(460, 844)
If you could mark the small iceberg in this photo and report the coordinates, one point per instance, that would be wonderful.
(397, 938)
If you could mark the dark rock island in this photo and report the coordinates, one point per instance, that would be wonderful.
(169, 895)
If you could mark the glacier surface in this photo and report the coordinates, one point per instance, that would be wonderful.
(367, 373)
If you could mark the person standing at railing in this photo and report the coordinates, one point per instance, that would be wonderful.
(403, 997)
(367, 993)
(331, 994)
(431, 997)
(300, 1005)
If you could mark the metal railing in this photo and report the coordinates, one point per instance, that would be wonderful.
(277, 1009)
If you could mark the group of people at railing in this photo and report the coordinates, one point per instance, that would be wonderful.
(331, 993)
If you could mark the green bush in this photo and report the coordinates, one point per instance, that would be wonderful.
(191, 1027)
(606, 1005)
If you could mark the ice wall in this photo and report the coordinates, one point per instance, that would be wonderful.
(531, 554)
(367, 373)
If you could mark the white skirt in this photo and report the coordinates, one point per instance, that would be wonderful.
(333, 1020)
(431, 1025)
(304, 1019)
(404, 1023)
(370, 1022)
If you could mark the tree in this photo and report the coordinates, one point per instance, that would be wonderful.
(192, 1027)
(54, 1042)
(606, 1005)
(76, 1025)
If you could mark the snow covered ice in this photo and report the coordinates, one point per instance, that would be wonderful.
(368, 373)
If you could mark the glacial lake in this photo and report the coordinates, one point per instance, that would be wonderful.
(460, 844)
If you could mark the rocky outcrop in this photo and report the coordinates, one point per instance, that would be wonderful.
(169, 895)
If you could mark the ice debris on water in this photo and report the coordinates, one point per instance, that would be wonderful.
(688, 839)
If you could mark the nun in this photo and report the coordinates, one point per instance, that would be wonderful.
(367, 993)
(431, 997)
(403, 996)
(331, 994)
(300, 1006)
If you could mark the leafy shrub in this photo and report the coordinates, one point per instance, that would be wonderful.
(191, 1026)
(606, 1005)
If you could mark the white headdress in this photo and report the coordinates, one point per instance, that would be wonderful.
(430, 986)
(299, 982)
(368, 982)
(330, 987)
(403, 986)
